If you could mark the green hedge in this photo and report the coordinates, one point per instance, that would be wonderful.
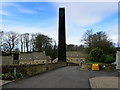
(109, 59)
(97, 55)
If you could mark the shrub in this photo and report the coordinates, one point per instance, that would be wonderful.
(19, 75)
(16, 56)
(109, 59)
(97, 55)
(7, 76)
(10, 76)
(88, 57)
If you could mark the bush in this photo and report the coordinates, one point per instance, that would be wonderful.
(109, 59)
(10, 76)
(7, 76)
(97, 55)
(19, 75)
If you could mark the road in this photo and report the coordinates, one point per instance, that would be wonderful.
(66, 77)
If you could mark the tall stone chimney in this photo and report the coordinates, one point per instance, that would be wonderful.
(62, 36)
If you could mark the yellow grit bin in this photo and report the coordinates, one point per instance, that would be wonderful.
(95, 67)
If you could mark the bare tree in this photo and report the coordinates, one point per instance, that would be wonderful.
(1, 39)
(11, 40)
(21, 40)
(26, 41)
(87, 37)
(32, 42)
(98, 39)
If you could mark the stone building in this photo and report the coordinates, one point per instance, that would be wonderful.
(26, 58)
(39, 58)
(7, 60)
(75, 57)
(34, 58)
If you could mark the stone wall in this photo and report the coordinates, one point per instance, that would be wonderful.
(101, 66)
(7, 60)
(29, 70)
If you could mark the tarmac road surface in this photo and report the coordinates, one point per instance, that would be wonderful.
(66, 77)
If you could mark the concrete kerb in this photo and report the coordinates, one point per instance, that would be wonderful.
(3, 82)
(91, 84)
(103, 82)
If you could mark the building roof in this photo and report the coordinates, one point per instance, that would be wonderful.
(75, 54)
(33, 56)
(39, 56)
(25, 56)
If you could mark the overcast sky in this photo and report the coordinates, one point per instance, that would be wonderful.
(42, 17)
